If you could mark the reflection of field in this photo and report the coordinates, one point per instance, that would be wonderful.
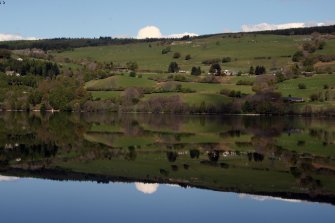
(261, 155)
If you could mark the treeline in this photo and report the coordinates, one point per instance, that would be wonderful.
(285, 32)
(34, 67)
(71, 43)
(301, 31)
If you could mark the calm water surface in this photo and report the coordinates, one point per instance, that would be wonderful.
(149, 168)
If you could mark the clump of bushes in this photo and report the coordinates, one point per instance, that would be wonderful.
(226, 60)
(232, 94)
(173, 67)
(211, 61)
(245, 82)
(166, 50)
(176, 55)
(302, 86)
(188, 57)
(196, 71)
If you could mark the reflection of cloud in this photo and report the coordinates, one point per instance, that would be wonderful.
(267, 198)
(6, 178)
(155, 32)
(146, 188)
(172, 185)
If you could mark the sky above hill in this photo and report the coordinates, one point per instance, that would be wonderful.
(30, 19)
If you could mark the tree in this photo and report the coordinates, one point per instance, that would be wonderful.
(301, 86)
(215, 69)
(196, 71)
(176, 55)
(252, 70)
(260, 70)
(194, 154)
(298, 56)
(131, 65)
(172, 156)
(247, 107)
(188, 57)
(173, 67)
(214, 156)
(264, 84)
(5, 54)
(226, 59)
(166, 50)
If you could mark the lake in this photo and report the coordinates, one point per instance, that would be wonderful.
(166, 168)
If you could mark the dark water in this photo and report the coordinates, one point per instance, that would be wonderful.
(163, 168)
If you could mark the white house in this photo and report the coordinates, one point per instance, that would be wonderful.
(12, 73)
(228, 73)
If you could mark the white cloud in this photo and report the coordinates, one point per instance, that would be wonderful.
(267, 26)
(155, 32)
(149, 32)
(180, 35)
(9, 37)
(146, 188)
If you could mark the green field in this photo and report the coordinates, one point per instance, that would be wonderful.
(313, 84)
(268, 50)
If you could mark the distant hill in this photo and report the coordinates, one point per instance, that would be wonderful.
(70, 43)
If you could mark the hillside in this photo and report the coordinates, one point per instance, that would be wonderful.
(272, 51)
(223, 73)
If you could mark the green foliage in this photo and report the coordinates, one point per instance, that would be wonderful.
(215, 69)
(309, 47)
(260, 70)
(298, 56)
(62, 93)
(166, 50)
(173, 67)
(247, 107)
(35, 98)
(245, 82)
(34, 67)
(211, 61)
(176, 55)
(196, 71)
(226, 60)
(188, 57)
(302, 86)
(251, 70)
(131, 65)
(132, 74)
(5, 54)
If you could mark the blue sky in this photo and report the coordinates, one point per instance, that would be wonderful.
(94, 18)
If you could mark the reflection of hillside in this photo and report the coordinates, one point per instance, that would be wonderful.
(259, 155)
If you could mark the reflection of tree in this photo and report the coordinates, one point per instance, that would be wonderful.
(194, 154)
(131, 155)
(172, 156)
(214, 156)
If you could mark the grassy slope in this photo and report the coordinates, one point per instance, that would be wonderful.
(313, 84)
(244, 52)
(243, 49)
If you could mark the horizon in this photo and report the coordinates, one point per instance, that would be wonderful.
(147, 19)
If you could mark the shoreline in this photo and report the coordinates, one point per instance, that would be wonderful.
(169, 113)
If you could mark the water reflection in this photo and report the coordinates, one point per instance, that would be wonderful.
(267, 198)
(147, 188)
(290, 158)
(7, 178)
